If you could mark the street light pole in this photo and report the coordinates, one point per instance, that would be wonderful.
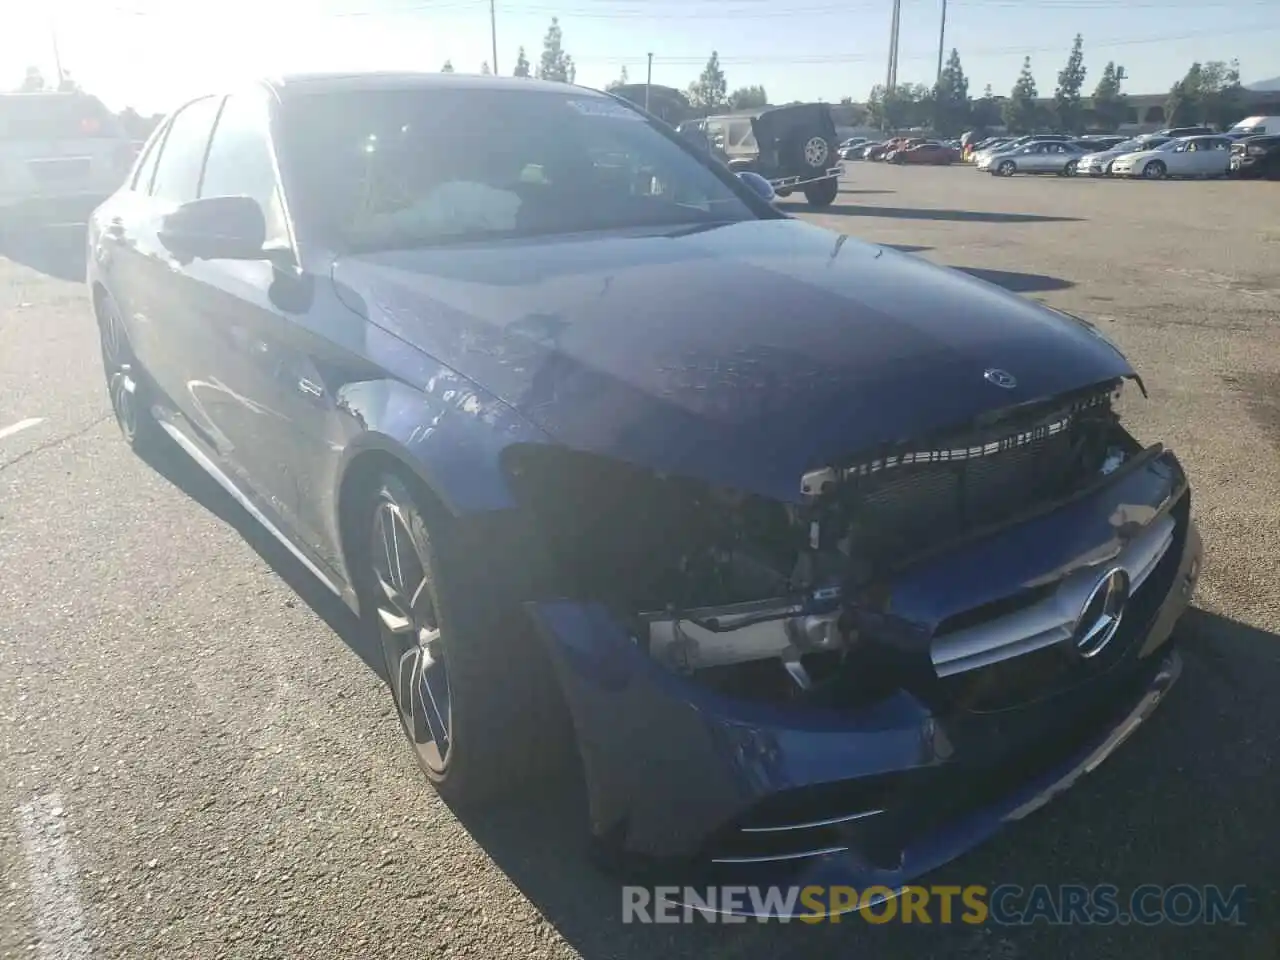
(648, 82)
(57, 55)
(942, 36)
(493, 35)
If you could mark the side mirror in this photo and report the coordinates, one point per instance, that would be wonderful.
(216, 228)
(759, 185)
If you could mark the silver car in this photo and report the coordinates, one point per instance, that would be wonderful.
(1183, 157)
(1099, 164)
(1037, 157)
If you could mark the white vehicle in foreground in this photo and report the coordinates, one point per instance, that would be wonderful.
(1099, 164)
(1184, 157)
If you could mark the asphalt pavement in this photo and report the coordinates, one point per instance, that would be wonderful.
(197, 759)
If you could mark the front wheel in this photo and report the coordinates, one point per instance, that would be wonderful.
(1155, 170)
(1007, 168)
(469, 679)
(823, 193)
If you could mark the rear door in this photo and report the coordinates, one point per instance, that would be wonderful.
(60, 147)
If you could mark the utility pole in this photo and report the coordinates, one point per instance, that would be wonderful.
(942, 38)
(57, 55)
(891, 78)
(493, 35)
(648, 82)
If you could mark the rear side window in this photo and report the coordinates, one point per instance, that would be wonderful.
(182, 156)
(55, 116)
(147, 164)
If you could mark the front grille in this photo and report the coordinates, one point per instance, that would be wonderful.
(928, 494)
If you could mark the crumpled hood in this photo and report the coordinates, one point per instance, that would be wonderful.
(744, 354)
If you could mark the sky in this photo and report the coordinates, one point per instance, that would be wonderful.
(152, 54)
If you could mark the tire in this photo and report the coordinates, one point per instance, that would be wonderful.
(126, 383)
(471, 683)
(1071, 169)
(783, 191)
(1007, 168)
(814, 153)
(1154, 170)
(823, 193)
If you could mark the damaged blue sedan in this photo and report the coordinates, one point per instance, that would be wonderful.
(822, 561)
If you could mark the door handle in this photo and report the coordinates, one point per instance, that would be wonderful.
(309, 388)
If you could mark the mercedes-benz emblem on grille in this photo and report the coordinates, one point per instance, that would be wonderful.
(1100, 617)
(1001, 378)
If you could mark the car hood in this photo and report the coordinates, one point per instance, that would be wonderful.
(744, 354)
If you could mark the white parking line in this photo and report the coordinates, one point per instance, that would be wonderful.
(19, 426)
(54, 897)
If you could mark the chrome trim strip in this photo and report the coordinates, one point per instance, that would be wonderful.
(782, 856)
(211, 468)
(1053, 619)
(830, 822)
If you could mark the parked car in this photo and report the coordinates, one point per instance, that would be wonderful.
(1099, 164)
(1183, 157)
(1038, 156)
(933, 153)
(882, 150)
(1175, 133)
(1008, 146)
(806, 547)
(1255, 127)
(1256, 157)
(61, 154)
(793, 147)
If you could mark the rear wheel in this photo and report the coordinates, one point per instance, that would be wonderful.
(470, 681)
(1072, 168)
(1007, 168)
(125, 383)
(823, 193)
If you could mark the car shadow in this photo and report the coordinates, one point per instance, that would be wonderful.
(54, 250)
(175, 466)
(1018, 282)
(919, 213)
(905, 247)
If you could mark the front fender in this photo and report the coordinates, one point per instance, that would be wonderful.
(449, 432)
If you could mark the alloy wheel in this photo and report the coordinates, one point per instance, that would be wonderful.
(1006, 169)
(117, 365)
(1153, 171)
(410, 633)
(815, 152)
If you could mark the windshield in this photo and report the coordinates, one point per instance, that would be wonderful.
(386, 169)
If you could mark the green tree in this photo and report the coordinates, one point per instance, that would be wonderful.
(555, 63)
(1221, 95)
(748, 98)
(1180, 109)
(1068, 109)
(522, 64)
(448, 67)
(1020, 110)
(33, 81)
(622, 80)
(1109, 105)
(951, 107)
(710, 90)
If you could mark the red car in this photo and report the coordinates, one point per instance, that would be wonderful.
(930, 153)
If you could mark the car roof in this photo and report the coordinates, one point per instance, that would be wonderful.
(334, 82)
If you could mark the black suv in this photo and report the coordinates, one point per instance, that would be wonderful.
(1256, 157)
(793, 147)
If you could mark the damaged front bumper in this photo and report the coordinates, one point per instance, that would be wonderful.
(986, 725)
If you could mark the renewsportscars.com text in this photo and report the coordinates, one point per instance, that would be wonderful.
(1004, 905)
